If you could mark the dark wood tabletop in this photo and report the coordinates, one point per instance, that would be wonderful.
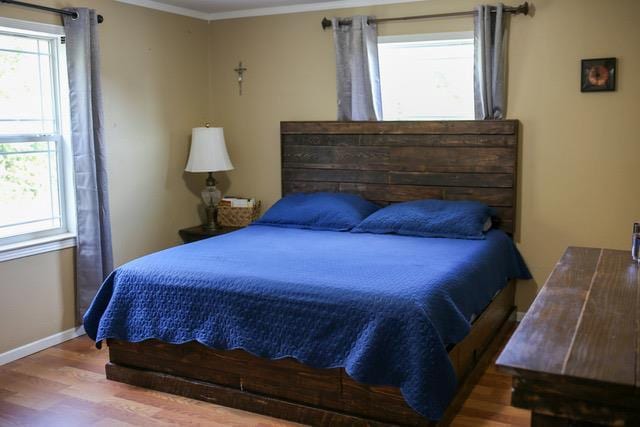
(199, 232)
(576, 354)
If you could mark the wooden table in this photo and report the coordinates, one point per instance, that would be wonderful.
(575, 358)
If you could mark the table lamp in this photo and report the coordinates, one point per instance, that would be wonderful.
(209, 154)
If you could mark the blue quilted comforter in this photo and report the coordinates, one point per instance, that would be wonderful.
(384, 307)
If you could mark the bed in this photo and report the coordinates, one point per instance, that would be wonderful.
(375, 331)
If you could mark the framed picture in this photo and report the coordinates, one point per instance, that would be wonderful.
(598, 75)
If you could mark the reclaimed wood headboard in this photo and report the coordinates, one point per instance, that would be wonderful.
(390, 162)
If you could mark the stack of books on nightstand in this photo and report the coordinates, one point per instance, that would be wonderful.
(237, 202)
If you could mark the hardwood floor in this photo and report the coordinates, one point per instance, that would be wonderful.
(65, 386)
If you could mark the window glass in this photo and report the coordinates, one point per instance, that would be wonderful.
(31, 183)
(427, 79)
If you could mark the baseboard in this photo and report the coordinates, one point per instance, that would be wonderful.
(41, 344)
(520, 315)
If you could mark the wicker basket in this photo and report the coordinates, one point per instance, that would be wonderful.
(237, 217)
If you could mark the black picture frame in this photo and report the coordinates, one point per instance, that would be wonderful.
(598, 74)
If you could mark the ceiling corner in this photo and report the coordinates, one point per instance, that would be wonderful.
(163, 7)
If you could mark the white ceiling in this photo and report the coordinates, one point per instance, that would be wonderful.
(217, 6)
(226, 9)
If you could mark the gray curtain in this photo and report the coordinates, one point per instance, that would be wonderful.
(357, 69)
(94, 257)
(490, 62)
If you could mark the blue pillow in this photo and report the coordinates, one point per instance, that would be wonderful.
(429, 218)
(319, 211)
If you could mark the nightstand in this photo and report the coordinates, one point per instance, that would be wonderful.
(193, 234)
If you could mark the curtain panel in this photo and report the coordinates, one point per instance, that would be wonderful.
(357, 69)
(94, 257)
(490, 62)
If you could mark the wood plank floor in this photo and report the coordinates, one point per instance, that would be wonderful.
(65, 386)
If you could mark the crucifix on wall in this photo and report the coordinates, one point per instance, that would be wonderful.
(240, 70)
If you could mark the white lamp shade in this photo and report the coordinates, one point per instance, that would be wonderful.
(208, 151)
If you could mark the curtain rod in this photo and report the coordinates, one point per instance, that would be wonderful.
(48, 9)
(523, 9)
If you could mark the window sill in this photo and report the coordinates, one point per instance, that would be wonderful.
(37, 246)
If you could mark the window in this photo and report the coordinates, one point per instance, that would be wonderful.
(427, 77)
(34, 153)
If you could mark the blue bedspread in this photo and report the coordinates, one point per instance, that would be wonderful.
(384, 307)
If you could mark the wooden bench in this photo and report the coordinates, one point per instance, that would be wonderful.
(575, 358)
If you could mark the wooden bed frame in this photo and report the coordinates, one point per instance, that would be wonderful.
(386, 162)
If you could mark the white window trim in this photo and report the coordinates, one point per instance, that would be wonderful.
(34, 28)
(67, 238)
(37, 246)
(405, 38)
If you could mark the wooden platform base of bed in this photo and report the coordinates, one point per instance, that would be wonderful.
(290, 390)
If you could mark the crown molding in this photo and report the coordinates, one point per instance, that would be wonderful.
(263, 11)
(299, 8)
(151, 4)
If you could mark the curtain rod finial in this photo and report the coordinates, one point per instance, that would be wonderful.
(326, 23)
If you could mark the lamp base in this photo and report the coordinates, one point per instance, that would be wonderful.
(211, 218)
(211, 196)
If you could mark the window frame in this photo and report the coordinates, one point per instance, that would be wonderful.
(425, 37)
(35, 242)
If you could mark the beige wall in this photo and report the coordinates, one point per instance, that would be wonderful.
(37, 298)
(154, 74)
(578, 183)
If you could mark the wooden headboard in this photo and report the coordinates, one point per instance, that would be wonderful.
(390, 162)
